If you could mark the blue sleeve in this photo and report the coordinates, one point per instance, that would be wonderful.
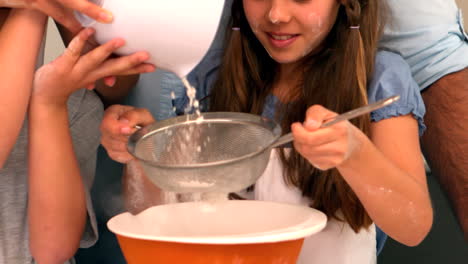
(392, 76)
(173, 96)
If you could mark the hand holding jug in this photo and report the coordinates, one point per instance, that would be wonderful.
(176, 33)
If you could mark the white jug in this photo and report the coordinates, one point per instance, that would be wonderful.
(176, 33)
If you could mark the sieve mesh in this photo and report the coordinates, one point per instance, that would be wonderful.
(204, 142)
(222, 152)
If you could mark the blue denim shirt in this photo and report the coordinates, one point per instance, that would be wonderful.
(429, 34)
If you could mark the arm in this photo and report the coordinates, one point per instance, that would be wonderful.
(386, 172)
(20, 41)
(56, 200)
(57, 208)
(392, 186)
(118, 123)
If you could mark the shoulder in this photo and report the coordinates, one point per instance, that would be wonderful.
(207, 69)
(387, 62)
(392, 76)
(202, 78)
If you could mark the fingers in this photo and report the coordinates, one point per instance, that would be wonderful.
(140, 68)
(88, 8)
(322, 157)
(74, 49)
(14, 4)
(111, 138)
(136, 117)
(69, 21)
(305, 136)
(110, 123)
(98, 55)
(326, 147)
(127, 65)
(96, 64)
(61, 14)
(316, 116)
(118, 123)
(117, 150)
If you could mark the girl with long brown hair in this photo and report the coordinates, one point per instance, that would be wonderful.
(301, 62)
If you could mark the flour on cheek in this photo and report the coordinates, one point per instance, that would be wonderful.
(316, 30)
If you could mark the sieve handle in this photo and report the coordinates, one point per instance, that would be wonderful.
(283, 140)
(346, 116)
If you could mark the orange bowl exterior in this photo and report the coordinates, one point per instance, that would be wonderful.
(139, 251)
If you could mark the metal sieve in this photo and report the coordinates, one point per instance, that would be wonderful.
(215, 152)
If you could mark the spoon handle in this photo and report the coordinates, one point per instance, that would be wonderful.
(361, 111)
(345, 116)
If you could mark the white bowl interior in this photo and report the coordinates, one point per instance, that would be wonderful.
(223, 222)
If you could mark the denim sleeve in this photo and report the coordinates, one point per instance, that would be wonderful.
(173, 98)
(172, 91)
(392, 76)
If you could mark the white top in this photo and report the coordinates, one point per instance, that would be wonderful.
(337, 243)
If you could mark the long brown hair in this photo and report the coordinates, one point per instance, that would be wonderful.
(334, 75)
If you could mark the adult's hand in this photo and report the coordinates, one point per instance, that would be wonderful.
(62, 10)
(117, 125)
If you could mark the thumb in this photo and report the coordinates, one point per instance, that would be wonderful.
(111, 121)
(66, 18)
(316, 116)
(135, 117)
(117, 112)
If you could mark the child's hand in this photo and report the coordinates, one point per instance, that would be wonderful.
(54, 82)
(325, 148)
(117, 125)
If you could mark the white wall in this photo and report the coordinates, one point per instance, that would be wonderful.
(54, 44)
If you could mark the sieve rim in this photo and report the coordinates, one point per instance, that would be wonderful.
(213, 117)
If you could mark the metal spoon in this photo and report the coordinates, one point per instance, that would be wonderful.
(345, 116)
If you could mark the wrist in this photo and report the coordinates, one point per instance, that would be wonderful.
(358, 150)
(47, 105)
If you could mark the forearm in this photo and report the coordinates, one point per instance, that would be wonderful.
(394, 199)
(56, 201)
(20, 41)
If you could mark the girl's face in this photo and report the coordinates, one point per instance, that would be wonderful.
(290, 29)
